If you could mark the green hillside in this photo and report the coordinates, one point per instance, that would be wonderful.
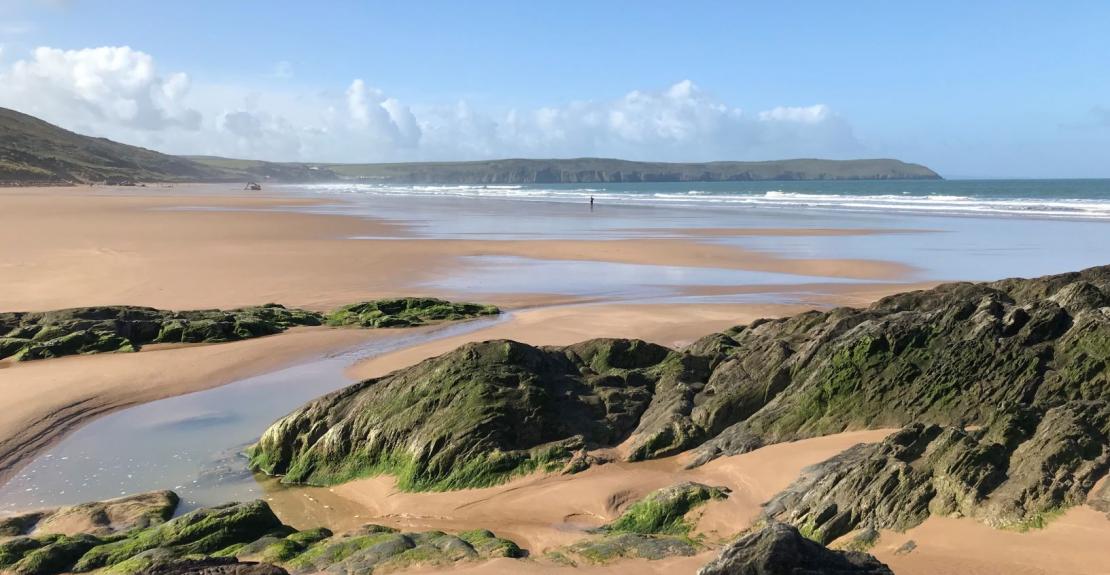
(36, 152)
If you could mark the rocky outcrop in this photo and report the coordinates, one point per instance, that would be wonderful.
(239, 539)
(214, 566)
(40, 335)
(1027, 358)
(951, 355)
(406, 312)
(374, 547)
(780, 549)
(97, 518)
(665, 511)
(1014, 473)
(472, 417)
(656, 526)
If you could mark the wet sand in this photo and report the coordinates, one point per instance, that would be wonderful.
(541, 512)
(44, 400)
(211, 246)
(67, 247)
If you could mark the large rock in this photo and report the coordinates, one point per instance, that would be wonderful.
(41, 335)
(951, 355)
(98, 518)
(469, 418)
(240, 539)
(198, 532)
(779, 549)
(1016, 472)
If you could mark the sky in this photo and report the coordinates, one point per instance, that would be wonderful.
(970, 89)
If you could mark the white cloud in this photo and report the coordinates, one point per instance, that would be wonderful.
(117, 92)
(803, 115)
(116, 86)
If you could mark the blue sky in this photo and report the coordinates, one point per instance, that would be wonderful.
(969, 88)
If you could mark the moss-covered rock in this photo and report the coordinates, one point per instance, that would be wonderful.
(198, 532)
(665, 511)
(232, 539)
(1015, 473)
(611, 547)
(949, 355)
(374, 547)
(405, 312)
(41, 335)
(28, 336)
(498, 409)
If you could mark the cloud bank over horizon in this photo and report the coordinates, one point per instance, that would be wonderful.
(118, 92)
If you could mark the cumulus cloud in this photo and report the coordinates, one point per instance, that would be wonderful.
(118, 92)
(111, 85)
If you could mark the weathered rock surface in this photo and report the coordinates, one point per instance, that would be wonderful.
(665, 511)
(780, 549)
(97, 518)
(26, 336)
(1014, 473)
(654, 527)
(469, 418)
(240, 539)
(1027, 358)
(405, 312)
(40, 335)
(954, 354)
(607, 548)
(374, 547)
(214, 566)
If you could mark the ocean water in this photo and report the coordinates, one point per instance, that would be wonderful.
(1069, 199)
(943, 229)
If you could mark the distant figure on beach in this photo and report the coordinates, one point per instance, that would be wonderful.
(591, 203)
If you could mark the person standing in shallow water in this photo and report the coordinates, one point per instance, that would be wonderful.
(591, 203)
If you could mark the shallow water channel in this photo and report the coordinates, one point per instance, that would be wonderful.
(191, 443)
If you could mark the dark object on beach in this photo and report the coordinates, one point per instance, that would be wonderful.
(253, 186)
(591, 203)
(780, 549)
(119, 181)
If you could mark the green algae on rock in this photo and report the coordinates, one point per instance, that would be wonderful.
(41, 335)
(405, 312)
(472, 417)
(239, 539)
(664, 511)
(654, 527)
(1014, 473)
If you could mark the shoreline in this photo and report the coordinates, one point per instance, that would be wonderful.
(134, 249)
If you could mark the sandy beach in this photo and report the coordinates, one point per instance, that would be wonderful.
(228, 251)
(202, 247)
